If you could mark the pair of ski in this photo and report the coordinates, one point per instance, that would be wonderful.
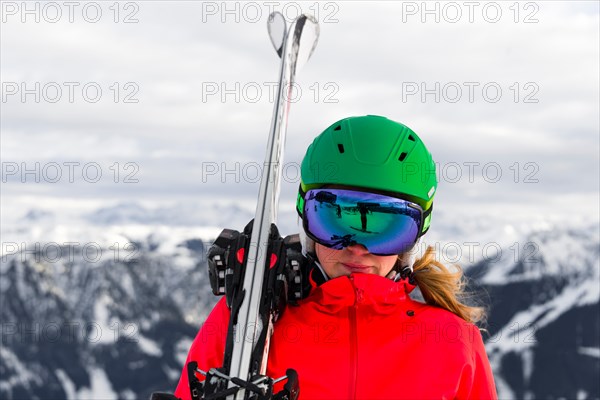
(256, 269)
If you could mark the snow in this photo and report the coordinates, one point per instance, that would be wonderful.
(502, 387)
(581, 295)
(566, 253)
(100, 387)
(148, 346)
(173, 374)
(67, 384)
(528, 395)
(127, 285)
(101, 319)
(22, 375)
(590, 351)
(519, 333)
(527, 357)
(115, 240)
(128, 394)
(4, 283)
(168, 225)
(500, 272)
(557, 250)
(181, 350)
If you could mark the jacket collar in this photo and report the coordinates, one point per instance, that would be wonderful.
(369, 290)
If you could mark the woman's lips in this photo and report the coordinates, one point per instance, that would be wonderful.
(360, 268)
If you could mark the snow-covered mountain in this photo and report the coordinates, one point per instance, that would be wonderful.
(107, 306)
(110, 326)
(184, 214)
(545, 318)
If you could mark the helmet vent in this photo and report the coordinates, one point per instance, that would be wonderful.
(338, 128)
(402, 156)
(410, 137)
(341, 148)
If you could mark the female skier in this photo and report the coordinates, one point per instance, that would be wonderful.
(365, 199)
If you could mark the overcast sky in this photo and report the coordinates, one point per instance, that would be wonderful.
(171, 101)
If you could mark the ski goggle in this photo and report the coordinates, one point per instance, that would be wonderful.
(338, 218)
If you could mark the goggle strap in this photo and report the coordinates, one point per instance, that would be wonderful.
(300, 201)
(426, 220)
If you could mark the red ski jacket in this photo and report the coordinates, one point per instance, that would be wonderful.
(362, 337)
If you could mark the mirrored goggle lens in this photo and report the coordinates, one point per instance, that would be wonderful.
(339, 218)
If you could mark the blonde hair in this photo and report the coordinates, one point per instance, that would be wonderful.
(444, 288)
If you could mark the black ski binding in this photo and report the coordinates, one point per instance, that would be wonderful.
(282, 284)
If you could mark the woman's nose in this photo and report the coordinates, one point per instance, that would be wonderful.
(357, 249)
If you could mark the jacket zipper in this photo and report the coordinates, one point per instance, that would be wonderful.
(353, 344)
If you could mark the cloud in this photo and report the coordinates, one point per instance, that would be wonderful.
(182, 89)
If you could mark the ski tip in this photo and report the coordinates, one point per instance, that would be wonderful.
(277, 28)
(305, 34)
(305, 27)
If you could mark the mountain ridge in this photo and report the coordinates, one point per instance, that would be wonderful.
(120, 325)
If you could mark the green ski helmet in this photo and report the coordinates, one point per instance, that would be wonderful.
(372, 153)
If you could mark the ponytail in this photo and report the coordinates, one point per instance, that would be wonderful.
(443, 288)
